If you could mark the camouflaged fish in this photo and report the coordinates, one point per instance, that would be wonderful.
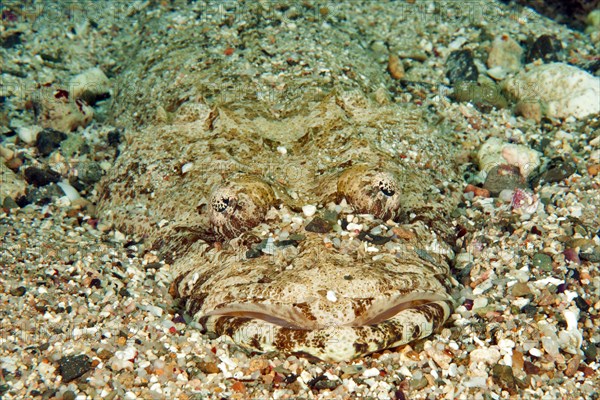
(220, 185)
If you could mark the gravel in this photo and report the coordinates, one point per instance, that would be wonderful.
(86, 312)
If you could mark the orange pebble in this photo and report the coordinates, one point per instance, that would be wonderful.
(477, 191)
(228, 51)
(238, 387)
(593, 169)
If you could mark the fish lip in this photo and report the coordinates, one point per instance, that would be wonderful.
(293, 318)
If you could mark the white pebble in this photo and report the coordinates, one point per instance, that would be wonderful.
(28, 134)
(309, 210)
(186, 167)
(489, 356)
(331, 296)
(354, 227)
(281, 150)
(371, 372)
(69, 190)
(535, 352)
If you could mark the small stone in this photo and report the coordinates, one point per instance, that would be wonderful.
(593, 169)
(477, 191)
(72, 367)
(556, 170)
(503, 177)
(18, 291)
(44, 195)
(9, 203)
(90, 86)
(238, 387)
(318, 225)
(484, 97)
(208, 367)
(592, 255)
(505, 53)
(590, 351)
(573, 365)
(542, 261)
(417, 384)
(41, 177)
(327, 384)
(530, 368)
(545, 48)
(520, 289)
(371, 372)
(486, 355)
(503, 375)
(69, 395)
(460, 67)
(49, 140)
(395, 67)
(309, 210)
(89, 172)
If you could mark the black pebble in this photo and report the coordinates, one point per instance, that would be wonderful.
(11, 40)
(18, 291)
(556, 170)
(460, 67)
(96, 283)
(48, 140)
(545, 48)
(318, 225)
(581, 304)
(72, 367)
(44, 195)
(114, 137)
(41, 177)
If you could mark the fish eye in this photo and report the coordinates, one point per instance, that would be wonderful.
(239, 205)
(370, 191)
(387, 188)
(221, 204)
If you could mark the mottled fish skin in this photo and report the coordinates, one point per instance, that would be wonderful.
(238, 188)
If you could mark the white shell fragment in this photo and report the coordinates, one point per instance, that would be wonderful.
(495, 152)
(562, 90)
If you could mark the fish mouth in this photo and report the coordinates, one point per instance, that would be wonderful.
(298, 318)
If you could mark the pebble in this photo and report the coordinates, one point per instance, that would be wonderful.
(43, 195)
(503, 177)
(562, 90)
(91, 86)
(309, 210)
(477, 191)
(460, 67)
(545, 48)
(72, 367)
(488, 356)
(495, 152)
(49, 140)
(505, 54)
(556, 170)
(520, 289)
(18, 291)
(90, 172)
(542, 261)
(593, 169)
(318, 225)
(208, 367)
(371, 372)
(395, 67)
(29, 134)
(40, 177)
(9, 203)
(505, 377)
(484, 97)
